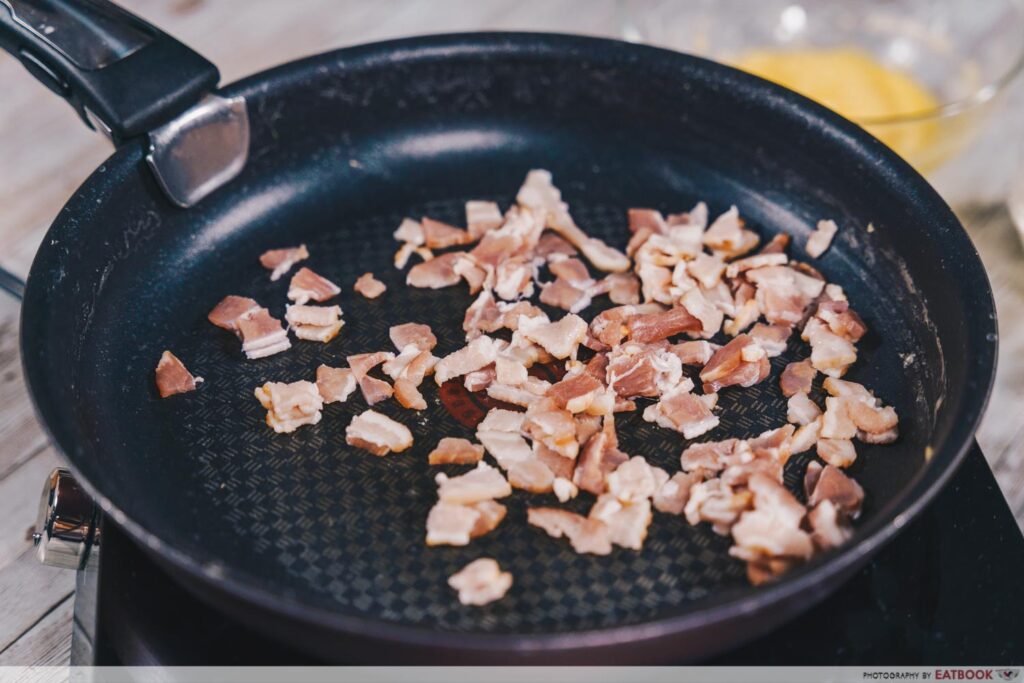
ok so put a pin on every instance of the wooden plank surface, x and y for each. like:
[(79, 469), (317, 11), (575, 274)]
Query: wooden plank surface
[(45, 152)]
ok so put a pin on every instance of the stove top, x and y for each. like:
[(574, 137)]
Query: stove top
[(946, 591)]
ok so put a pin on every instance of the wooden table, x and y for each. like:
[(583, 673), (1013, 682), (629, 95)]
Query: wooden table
[(45, 152)]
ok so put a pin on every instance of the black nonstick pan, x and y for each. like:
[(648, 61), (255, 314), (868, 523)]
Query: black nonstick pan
[(321, 544)]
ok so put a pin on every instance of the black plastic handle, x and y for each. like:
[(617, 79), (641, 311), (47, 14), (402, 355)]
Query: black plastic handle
[(120, 73)]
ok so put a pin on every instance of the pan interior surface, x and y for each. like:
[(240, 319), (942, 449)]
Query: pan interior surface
[(343, 149)]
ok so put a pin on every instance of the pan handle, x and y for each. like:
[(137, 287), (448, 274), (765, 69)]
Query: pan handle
[(123, 76)]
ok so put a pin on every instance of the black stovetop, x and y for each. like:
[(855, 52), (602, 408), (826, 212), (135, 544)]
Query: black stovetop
[(948, 590)]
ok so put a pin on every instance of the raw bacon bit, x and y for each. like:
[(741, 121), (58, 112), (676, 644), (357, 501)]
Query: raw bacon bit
[(231, 308), (600, 456), (585, 535), (821, 239), (369, 286), (842, 320), (683, 412), (784, 293), (314, 323), (554, 428), (551, 247), (491, 514), (836, 422), (280, 261), (801, 410), (797, 378), (651, 327), (478, 354), (335, 384), (830, 353), (436, 273), (306, 285), (500, 433), (706, 269), (411, 365), (643, 370), (761, 260), (410, 232), (772, 530), (440, 235), (697, 352), (482, 483), (771, 338), (406, 251), (627, 522), (646, 219), (531, 475), (728, 366), (290, 406), (451, 524), (454, 451), (635, 480), (560, 338), (261, 334), (772, 444), (673, 495), (575, 393), (374, 390), (837, 452), (710, 456), (481, 582), (746, 315), (728, 237), (623, 288), (806, 437), (412, 333), (709, 315), (407, 395), (564, 295), (172, 377), (832, 485), (482, 217), (829, 528), (715, 501), (377, 433), (776, 245), (564, 489)]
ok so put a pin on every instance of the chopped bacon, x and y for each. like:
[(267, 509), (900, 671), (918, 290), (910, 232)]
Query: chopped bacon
[(649, 219), (635, 480), (830, 353), (585, 535), (412, 333), (406, 251), (716, 502), (482, 483), (829, 527), (710, 456), (773, 444), (836, 422), (280, 261), (729, 366), (476, 355), (455, 451), (314, 323), (262, 335), (572, 270), (575, 393), (561, 467), (684, 412), (821, 239), (784, 293), (842, 320), (771, 338), (531, 475), (436, 273), (307, 285), (438, 235), (369, 286), (761, 260), (491, 514), (746, 314), (172, 377), (697, 352), (410, 232), (600, 456), (374, 390), (564, 295), (709, 315), (552, 246), (623, 288), (651, 327), (727, 236), (833, 485), (643, 370), (478, 380), (673, 495), (772, 528), (290, 406), (706, 269), (480, 582), (560, 338), (377, 433), (801, 410), (451, 524), (797, 378), (335, 384), (553, 427), (482, 217), (776, 244), (407, 394), (500, 432), (806, 437), (227, 313), (837, 452), (627, 522)]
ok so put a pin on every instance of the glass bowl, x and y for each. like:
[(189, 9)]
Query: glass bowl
[(965, 53)]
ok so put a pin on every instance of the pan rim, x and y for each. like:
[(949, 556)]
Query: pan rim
[(811, 580)]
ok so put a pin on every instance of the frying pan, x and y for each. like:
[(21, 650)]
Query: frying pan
[(321, 544)]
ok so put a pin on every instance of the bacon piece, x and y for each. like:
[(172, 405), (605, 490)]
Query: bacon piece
[(683, 412), (481, 483), (784, 293), (727, 236), (585, 535), (551, 247), (172, 377), (706, 269), (335, 384), (673, 495), (481, 582), (455, 451), (797, 378), (836, 422), (623, 288), (729, 365), (599, 457), (438, 235), (697, 352), (710, 456), (832, 485), (513, 279), (482, 217), (829, 528), (772, 528), (842, 320), (373, 390), (821, 239), (369, 286), (772, 444), (560, 338), (411, 232), (479, 380), (478, 354), (564, 295), (553, 427), (564, 489), (806, 437), (830, 353), (716, 502), (377, 433), (436, 273), (411, 365), (231, 308), (262, 335), (746, 314), (500, 432), (406, 251), (771, 338), (650, 327), (575, 393), (572, 270), (635, 480), (407, 395), (280, 261), (314, 323), (290, 406), (307, 285), (412, 333), (451, 524), (531, 475), (801, 410), (643, 370), (627, 522), (491, 514), (776, 245), (646, 219), (837, 452), (709, 315)]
